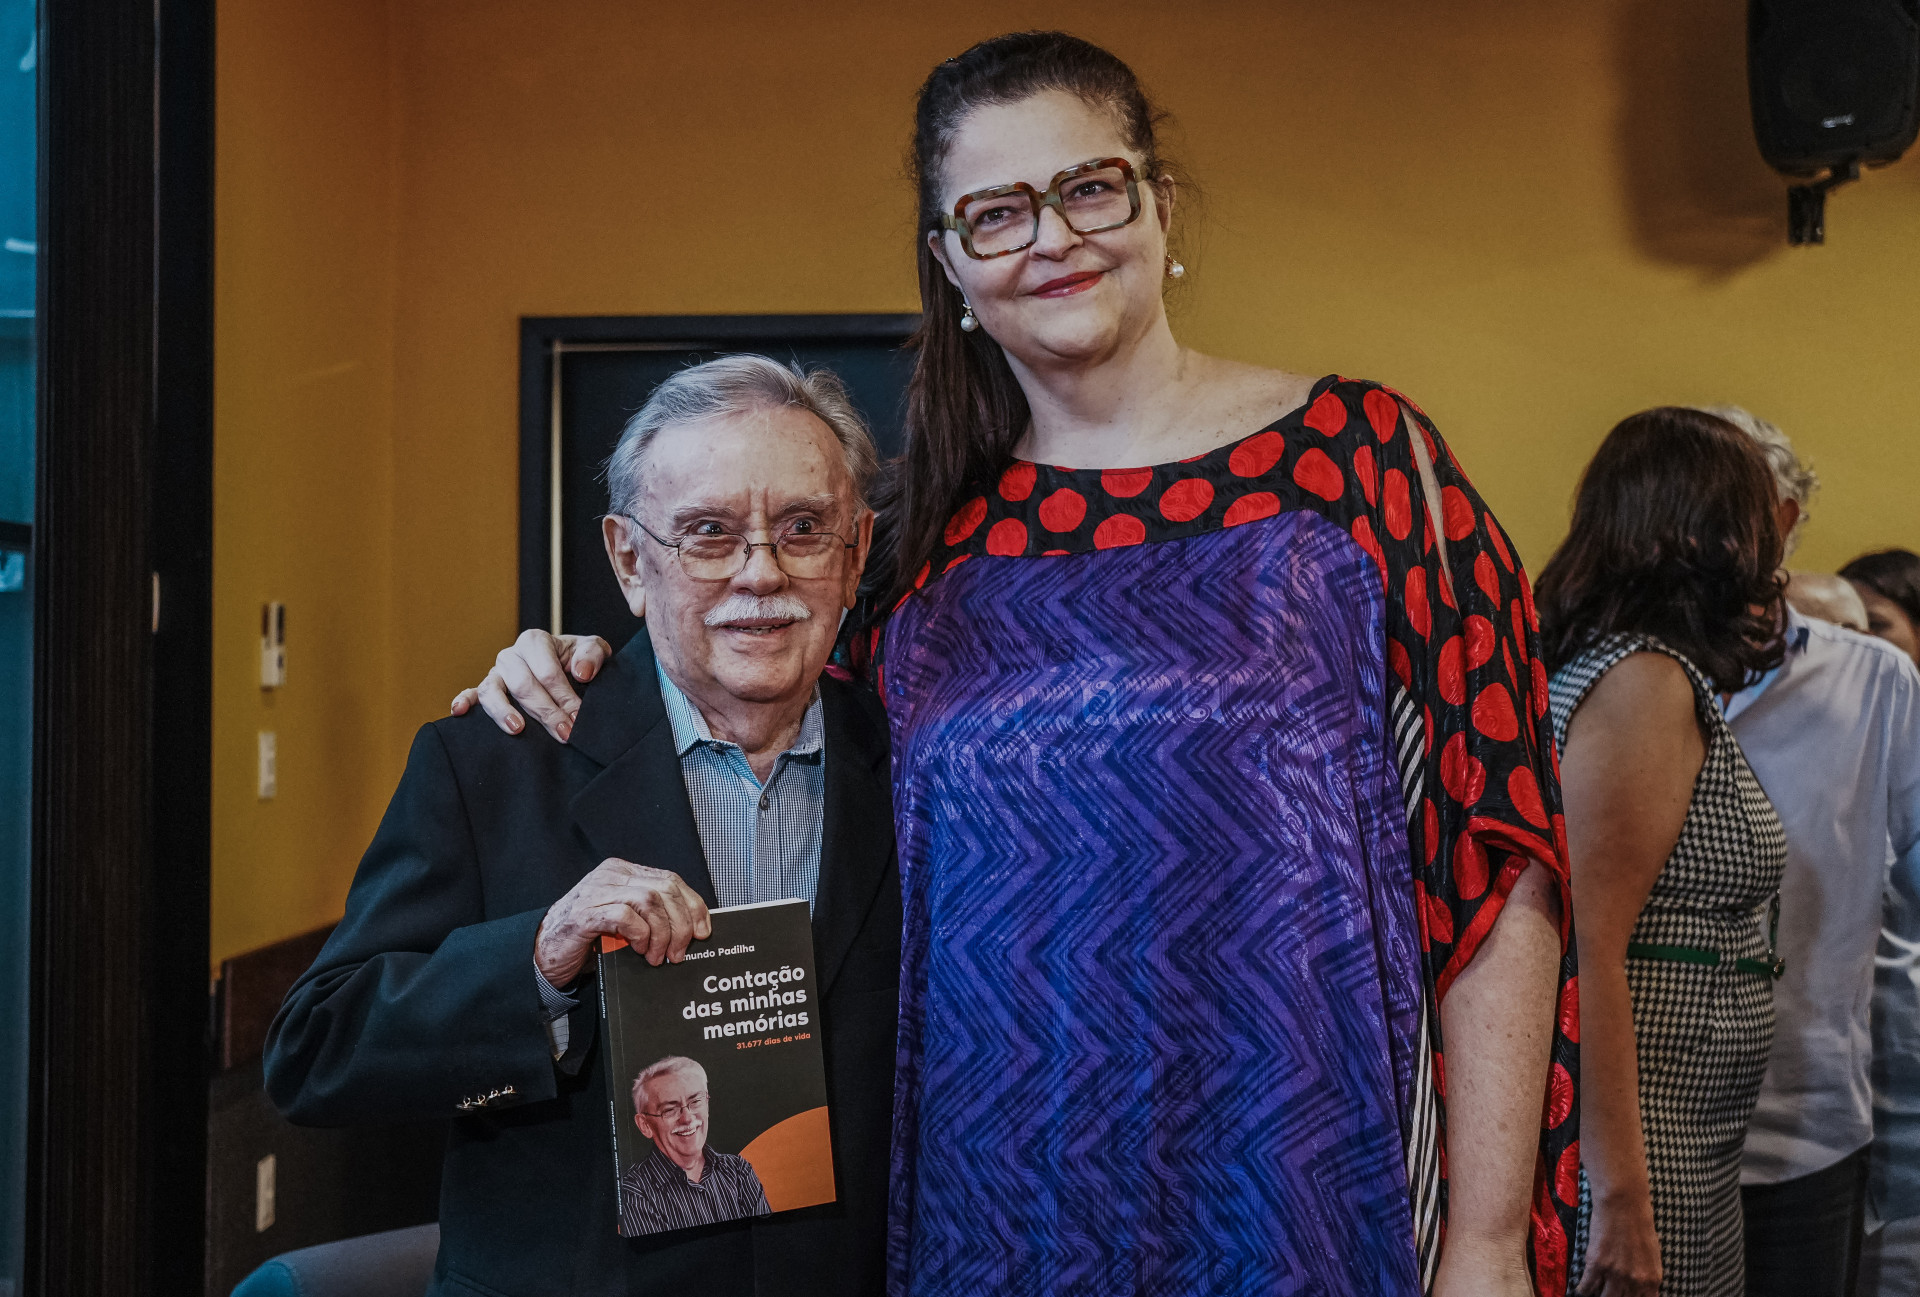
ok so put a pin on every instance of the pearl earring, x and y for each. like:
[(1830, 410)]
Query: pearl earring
[(967, 323), (1174, 269)]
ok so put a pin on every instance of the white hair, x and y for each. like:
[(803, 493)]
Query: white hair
[(1792, 478), (737, 385), (671, 1063)]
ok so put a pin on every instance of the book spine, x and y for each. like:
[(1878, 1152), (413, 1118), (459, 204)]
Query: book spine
[(613, 1085)]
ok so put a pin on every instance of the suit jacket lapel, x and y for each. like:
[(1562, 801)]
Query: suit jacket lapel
[(856, 839), (636, 808)]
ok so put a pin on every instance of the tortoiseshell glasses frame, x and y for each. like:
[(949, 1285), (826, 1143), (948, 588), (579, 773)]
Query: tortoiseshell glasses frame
[(957, 220)]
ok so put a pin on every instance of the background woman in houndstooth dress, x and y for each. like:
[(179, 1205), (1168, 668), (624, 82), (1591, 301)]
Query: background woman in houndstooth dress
[(1664, 595)]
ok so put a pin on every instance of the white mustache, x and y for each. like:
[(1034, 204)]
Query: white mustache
[(761, 607)]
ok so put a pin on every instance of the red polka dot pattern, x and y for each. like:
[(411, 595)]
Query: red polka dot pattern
[(1464, 651), (1419, 611), (1121, 529), (1566, 1176), (1559, 1095), (1251, 508), (1485, 577), (1397, 512), (1327, 415), (1063, 510), (1499, 539), (1523, 790), (1462, 774), (1008, 536), (1451, 677), (965, 520), (1480, 641), (1016, 484), (1257, 454), (1456, 513), (1493, 716), (1364, 473), (1383, 412), (1184, 501), (1470, 867), (1319, 475), (1569, 1010)]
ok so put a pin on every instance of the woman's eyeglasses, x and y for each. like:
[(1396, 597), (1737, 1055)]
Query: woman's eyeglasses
[(1094, 196), (721, 556)]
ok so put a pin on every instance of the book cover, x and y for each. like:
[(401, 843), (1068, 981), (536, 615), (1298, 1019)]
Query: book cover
[(714, 1071)]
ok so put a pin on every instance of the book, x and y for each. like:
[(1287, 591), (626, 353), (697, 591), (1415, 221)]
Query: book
[(715, 1077)]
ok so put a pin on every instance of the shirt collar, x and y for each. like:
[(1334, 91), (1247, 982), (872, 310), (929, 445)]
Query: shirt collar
[(690, 728)]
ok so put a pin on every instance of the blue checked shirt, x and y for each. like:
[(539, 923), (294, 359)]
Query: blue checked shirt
[(762, 841)]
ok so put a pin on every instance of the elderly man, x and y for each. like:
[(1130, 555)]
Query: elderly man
[(1833, 734), (710, 764), (682, 1182)]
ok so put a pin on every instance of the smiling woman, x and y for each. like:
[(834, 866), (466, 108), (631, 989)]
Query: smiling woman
[(1196, 611)]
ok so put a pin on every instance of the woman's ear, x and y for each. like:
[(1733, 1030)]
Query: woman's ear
[(1165, 190), (937, 245)]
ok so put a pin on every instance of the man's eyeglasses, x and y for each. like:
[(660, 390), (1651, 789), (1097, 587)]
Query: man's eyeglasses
[(672, 1112), (805, 555), (1094, 196)]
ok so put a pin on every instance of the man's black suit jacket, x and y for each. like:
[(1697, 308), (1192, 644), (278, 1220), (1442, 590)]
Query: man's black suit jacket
[(424, 1002)]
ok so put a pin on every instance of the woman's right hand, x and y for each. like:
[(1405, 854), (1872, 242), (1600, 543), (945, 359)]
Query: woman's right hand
[(533, 672), (1623, 1251)]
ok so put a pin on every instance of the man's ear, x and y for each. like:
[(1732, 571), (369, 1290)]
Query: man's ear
[(863, 541), (621, 536), (1787, 514), (640, 1120), (937, 244)]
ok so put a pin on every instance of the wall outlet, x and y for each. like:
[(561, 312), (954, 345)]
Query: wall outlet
[(269, 765), (264, 1174)]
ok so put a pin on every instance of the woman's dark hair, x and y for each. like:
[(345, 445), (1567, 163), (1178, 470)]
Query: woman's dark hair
[(1893, 574), (965, 411), (1674, 535)]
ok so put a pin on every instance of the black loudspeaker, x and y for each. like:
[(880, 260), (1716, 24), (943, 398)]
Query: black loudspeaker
[(1834, 85)]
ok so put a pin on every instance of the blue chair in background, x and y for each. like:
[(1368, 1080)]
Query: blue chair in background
[(398, 1263)]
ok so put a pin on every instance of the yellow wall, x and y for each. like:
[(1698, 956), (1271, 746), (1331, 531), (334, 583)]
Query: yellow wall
[(1533, 219), (303, 465)]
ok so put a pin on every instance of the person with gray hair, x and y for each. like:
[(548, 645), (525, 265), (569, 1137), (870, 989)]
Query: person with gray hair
[(1833, 734), (682, 1182), (735, 385), (1796, 481), (711, 763)]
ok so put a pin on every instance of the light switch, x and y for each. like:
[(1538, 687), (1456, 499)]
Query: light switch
[(264, 1173), (269, 775), (273, 645)]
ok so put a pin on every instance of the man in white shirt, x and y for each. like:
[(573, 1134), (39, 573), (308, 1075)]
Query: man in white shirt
[(1833, 734)]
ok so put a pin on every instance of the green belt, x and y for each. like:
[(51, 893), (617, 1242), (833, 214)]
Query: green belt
[(1771, 967)]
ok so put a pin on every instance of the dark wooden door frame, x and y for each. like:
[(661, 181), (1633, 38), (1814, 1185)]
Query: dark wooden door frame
[(116, 1139), (544, 342)]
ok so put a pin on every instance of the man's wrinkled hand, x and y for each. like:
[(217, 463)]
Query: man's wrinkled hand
[(653, 910)]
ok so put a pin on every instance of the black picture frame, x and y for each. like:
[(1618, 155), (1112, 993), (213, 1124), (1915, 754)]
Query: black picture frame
[(544, 344)]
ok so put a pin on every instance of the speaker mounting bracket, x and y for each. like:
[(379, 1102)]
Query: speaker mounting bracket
[(1807, 204)]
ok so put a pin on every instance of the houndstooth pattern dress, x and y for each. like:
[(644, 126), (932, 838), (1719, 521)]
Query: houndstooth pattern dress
[(1702, 1032)]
